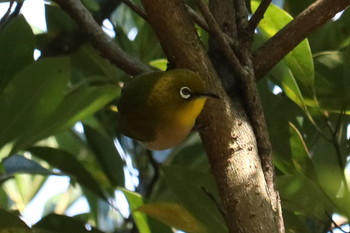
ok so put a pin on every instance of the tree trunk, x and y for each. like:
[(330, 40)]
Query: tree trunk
[(228, 136)]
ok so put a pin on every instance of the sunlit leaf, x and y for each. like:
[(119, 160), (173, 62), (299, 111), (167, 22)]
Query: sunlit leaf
[(299, 60), (143, 223), (161, 64), (174, 215)]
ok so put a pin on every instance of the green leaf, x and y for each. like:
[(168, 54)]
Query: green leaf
[(17, 164), (299, 60), (12, 221), (106, 154), (17, 45), (296, 6), (161, 64), (333, 35), (60, 223), (143, 223), (300, 154), (293, 222), (135, 201), (303, 195), (67, 163), (31, 96), (75, 106), (91, 5), (89, 66), (285, 78), (58, 20), (174, 215), (333, 83), (195, 190)]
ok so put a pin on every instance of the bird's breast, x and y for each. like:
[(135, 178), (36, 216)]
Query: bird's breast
[(175, 128)]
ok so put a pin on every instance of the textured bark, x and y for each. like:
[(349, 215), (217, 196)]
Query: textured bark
[(232, 152)]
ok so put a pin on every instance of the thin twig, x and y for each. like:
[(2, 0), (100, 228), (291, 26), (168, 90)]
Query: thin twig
[(335, 224), (203, 24), (198, 19), (258, 15), (335, 142), (100, 40), (138, 10), (212, 198), (221, 38), (7, 14)]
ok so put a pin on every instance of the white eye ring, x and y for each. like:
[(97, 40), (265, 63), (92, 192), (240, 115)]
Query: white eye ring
[(185, 92)]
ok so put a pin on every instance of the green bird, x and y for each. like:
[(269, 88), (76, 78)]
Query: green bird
[(160, 108)]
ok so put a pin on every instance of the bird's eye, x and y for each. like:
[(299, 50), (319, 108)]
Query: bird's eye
[(185, 92)]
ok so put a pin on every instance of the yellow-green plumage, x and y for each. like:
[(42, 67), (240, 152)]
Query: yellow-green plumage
[(152, 109)]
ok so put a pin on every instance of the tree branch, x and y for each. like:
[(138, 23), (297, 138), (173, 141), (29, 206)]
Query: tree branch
[(258, 15), (228, 136), (100, 40), (221, 38), (244, 75), (273, 50), (138, 10)]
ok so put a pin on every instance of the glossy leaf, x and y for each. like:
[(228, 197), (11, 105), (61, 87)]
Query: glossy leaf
[(283, 76), (17, 45), (106, 154), (333, 82), (194, 190), (143, 223), (136, 201), (161, 64), (302, 195), (89, 67), (31, 96), (300, 154), (75, 106), (67, 163), (333, 35), (17, 164), (299, 60), (174, 215)]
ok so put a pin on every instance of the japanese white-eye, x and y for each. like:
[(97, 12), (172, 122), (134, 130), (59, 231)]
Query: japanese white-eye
[(160, 108)]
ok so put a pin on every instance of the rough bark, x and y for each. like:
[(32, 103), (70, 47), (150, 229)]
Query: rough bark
[(233, 152)]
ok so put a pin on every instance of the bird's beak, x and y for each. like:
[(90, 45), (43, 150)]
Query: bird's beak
[(208, 94)]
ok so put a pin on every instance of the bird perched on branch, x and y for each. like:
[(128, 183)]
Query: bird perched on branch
[(160, 108)]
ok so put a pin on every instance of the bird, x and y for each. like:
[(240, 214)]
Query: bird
[(160, 108)]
